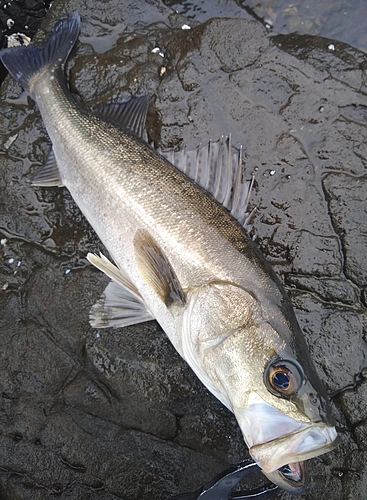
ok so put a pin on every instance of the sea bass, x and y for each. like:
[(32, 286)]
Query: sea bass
[(182, 256)]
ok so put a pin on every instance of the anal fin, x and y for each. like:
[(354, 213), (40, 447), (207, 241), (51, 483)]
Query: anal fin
[(120, 304), (48, 175)]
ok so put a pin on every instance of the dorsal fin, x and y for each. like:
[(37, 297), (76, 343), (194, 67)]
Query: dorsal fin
[(219, 171), (130, 114)]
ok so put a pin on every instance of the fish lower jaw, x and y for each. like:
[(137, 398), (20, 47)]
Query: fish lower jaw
[(308, 443), (291, 477)]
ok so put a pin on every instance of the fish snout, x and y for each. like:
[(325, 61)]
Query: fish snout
[(308, 443), (280, 444)]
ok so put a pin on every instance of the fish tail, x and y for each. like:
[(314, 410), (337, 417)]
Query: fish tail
[(24, 62)]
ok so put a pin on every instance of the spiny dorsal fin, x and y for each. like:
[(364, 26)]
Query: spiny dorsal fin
[(219, 172), (130, 115), (156, 269), (49, 174), (120, 304)]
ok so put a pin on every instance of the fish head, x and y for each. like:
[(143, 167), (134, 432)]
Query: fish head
[(254, 362), (284, 432)]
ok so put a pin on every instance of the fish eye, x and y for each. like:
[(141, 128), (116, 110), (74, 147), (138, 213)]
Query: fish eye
[(283, 377)]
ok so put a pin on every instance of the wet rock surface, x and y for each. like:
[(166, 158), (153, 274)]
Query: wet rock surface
[(117, 414), (334, 19)]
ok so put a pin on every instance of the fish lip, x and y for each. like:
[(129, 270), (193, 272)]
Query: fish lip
[(275, 439), (295, 448), (291, 477)]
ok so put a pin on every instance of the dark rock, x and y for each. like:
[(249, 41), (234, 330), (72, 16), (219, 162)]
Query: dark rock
[(348, 207)]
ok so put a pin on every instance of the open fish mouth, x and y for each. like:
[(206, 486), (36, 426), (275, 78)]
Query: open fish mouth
[(280, 445), (282, 461), (307, 443), (290, 477), (275, 439)]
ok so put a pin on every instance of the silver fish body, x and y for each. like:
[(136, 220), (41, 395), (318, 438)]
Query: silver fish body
[(182, 259)]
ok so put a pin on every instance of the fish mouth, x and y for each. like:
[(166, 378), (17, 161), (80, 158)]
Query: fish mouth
[(276, 458), (307, 443), (279, 444), (290, 477)]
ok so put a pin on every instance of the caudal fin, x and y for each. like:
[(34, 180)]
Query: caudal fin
[(25, 62)]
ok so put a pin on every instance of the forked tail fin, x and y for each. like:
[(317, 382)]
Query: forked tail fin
[(26, 61)]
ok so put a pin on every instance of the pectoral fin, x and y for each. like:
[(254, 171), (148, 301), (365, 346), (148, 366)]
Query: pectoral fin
[(156, 269), (120, 304)]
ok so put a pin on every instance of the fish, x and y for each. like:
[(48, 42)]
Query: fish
[(180, 254)]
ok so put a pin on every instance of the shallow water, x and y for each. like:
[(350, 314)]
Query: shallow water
[(334, 19)]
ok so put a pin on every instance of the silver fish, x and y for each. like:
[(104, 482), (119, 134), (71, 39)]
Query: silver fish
[(183, 257)]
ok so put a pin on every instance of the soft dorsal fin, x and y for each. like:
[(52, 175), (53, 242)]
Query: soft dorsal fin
[(128, 115), (156, 269), (219, 171), (120, 304)]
